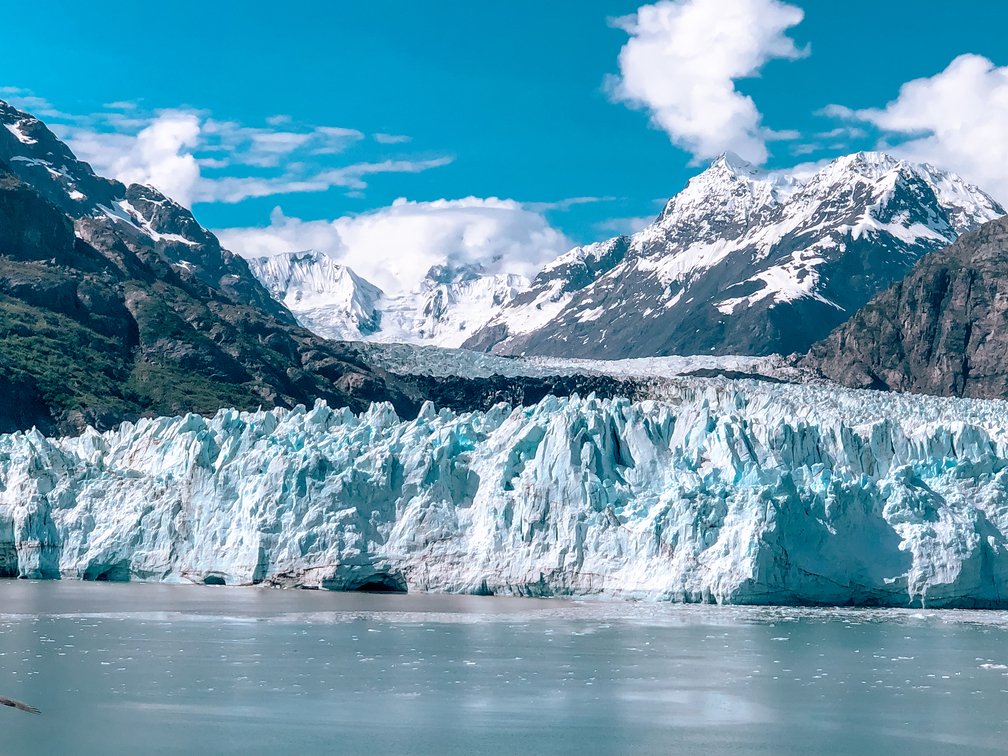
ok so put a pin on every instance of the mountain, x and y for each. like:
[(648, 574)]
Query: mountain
[(325, 297), (115, 303), (940, 330), (737, 492), (742, 262), (444, 309)]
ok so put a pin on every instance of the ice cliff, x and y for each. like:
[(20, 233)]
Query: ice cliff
[(732, 491)]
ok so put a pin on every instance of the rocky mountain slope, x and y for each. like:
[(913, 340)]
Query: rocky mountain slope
[(742, 262), (943, 329), (331, 300), (115, 302), (731, 491)]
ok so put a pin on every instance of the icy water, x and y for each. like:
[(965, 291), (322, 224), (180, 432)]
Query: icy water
[(127, 668)]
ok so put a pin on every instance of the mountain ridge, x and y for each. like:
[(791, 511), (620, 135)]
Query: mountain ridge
[(115, 303), (741, 261), (333, 301), (744, 261)]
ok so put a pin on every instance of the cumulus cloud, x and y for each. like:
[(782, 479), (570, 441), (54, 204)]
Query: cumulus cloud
[(956, 119), (160, 154), (395, 246), (683, 59)]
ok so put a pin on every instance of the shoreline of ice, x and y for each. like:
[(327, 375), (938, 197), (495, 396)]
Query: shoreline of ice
[(723, 491)]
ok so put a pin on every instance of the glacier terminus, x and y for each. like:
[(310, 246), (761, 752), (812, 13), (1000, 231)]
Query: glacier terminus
[(717, 490)]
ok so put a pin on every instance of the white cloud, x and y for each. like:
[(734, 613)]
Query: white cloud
[(193, 157), (391, 138), (565, 204), (26, 100), (237, 188), (160, 154), (683, 59), (395, 246), (268, 147), (956, 119)]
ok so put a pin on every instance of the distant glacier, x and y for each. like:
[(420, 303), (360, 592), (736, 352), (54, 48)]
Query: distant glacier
[(732, 491)]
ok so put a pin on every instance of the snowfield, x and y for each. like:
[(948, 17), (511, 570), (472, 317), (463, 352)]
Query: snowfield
[(732, 491), (410, 359)]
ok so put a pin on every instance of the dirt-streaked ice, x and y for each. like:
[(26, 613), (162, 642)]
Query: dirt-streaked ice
[(734, 491)]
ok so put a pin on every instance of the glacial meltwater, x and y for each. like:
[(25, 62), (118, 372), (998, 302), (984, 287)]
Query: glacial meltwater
[(144, 668)]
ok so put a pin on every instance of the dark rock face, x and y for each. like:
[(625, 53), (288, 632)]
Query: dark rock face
[(941, 330), (116, 303), (469, 394)]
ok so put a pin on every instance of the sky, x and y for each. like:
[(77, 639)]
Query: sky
[(499, 133)]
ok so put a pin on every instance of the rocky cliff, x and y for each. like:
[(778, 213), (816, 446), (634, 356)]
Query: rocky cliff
[(941, 330)]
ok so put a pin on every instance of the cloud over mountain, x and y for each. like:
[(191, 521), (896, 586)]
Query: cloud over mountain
[(956, 119), (395, 246)]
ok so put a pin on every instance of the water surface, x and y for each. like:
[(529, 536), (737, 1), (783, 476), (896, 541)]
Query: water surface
[(132, 668)]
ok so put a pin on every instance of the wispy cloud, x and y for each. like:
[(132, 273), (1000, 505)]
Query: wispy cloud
[(565, 204), (624, 226), (232, 189), (391, 138), (28, 101), (194, 157)]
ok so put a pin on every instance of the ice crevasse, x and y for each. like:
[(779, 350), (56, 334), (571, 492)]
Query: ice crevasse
[(728, 491)]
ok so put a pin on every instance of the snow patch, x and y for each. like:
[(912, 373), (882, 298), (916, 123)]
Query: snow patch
[(15, 129)]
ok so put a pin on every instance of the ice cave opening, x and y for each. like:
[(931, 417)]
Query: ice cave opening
[(381, 582)]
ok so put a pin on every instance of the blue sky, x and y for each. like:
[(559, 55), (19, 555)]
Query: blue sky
[(446, 100)]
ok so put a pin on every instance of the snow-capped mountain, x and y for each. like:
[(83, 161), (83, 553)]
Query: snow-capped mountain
[(326, 297), (736, 492), (742, 261), (444, 309), (139, 216)]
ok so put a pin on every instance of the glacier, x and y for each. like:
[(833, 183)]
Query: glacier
[(717, 490)]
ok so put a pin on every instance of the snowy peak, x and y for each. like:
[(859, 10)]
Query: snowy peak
[(722, 201), (140, 216), (732, 163), (39, 158), (581, 265), (884, 175), (967, 204), (744, 261), (321, 293), (332, 300), (309, 271)]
